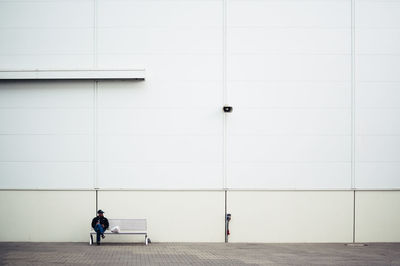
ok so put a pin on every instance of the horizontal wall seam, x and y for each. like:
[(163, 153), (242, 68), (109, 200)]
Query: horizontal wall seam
[(188, 190)]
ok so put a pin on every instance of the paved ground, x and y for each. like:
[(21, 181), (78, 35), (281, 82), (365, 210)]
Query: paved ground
[(197, 254)]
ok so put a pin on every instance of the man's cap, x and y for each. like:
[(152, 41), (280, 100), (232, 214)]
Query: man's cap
[(100, 211)]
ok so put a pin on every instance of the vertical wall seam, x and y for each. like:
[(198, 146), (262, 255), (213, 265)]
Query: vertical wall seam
[(353, 100), (225, 102), (94, 33), (224, 92), (95, 90), (353, 116), (97, 201)]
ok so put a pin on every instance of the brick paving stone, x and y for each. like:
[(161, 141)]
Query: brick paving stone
[(196, 254)]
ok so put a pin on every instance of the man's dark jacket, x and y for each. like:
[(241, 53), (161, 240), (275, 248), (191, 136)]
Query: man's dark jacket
[(103, 221)]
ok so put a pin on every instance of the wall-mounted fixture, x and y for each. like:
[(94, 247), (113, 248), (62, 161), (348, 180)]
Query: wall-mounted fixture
[(227, 109), (228, 218)]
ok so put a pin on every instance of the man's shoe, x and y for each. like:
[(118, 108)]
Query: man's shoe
[(103, 236), (98, 243)]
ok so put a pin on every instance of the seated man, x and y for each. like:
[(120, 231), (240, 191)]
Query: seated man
[(99, 224)]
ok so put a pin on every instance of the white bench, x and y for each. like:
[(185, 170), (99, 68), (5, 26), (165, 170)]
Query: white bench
[(127, 227)]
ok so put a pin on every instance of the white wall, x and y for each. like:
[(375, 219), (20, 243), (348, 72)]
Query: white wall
[(289, 80), (377, 216), (144, 142), (46, 134), (296, 81), (46, 216), (41, 34), (153, 134), (172, 216), (290, 216), (286, 71), (377, 94)]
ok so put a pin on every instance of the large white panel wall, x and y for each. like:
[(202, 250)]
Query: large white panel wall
[(288, 78), (167, 131), (289, 66), (46, 34), (377, 94), (46, 134)]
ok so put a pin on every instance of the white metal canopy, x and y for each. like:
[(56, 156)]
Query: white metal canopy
[(109, 74)]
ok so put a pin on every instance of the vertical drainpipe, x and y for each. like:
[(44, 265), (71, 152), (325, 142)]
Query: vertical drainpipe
[(226, 223)]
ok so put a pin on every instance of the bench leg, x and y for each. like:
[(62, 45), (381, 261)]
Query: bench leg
[(146, 240), (90, 239)]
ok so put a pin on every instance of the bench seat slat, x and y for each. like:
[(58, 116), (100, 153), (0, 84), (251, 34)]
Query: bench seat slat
[(122, 232)]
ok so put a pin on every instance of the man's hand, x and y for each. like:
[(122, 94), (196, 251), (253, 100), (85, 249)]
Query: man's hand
[(102, 225)]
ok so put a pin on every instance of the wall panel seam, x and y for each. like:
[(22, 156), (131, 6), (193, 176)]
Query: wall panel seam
[(353, 100), (224, 92), (95, 90)]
